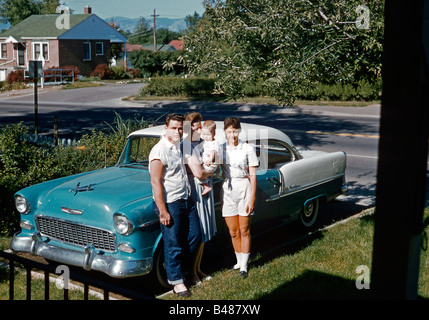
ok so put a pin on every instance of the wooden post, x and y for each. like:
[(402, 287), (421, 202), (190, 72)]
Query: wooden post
[(403, 151), (55, 130), (36, 108)]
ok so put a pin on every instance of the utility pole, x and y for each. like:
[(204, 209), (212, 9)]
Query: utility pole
[(154, 30), (401, 180)]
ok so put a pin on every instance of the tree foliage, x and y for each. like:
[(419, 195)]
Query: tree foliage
[(142, 33), (156, 63), (14, 11), (286, 44)]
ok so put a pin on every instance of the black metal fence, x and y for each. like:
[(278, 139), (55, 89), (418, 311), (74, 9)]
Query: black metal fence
[(29, 265)]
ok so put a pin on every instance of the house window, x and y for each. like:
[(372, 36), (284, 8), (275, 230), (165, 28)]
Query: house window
[(40, 49), (99, 50), (86, 51), (21, 54), (3, 51)]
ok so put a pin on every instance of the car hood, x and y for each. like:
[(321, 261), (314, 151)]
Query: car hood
[(101, 192)]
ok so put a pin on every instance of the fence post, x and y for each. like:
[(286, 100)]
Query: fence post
[(55, 130), (11, 279), (28, 282), (46, 285)]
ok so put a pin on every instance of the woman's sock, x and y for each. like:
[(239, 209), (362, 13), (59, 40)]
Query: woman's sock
[(243, 262), (238, 264)]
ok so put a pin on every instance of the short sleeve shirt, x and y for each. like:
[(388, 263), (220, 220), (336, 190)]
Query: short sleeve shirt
[(237, 159), (174, 178)]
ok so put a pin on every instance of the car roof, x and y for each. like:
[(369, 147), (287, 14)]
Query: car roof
[(249, 132)]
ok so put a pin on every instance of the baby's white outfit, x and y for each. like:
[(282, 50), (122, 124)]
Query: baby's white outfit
[(208, 148)]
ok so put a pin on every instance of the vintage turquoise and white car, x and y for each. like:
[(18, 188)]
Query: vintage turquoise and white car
[(104, 220)]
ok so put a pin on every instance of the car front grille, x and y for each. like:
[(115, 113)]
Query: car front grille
[(77, 234)]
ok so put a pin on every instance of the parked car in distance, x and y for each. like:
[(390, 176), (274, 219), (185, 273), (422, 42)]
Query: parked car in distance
[(104, 220)]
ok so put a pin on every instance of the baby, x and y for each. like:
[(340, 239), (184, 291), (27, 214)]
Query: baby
[(211, 151)]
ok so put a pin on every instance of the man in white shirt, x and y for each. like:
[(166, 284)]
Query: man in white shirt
[(177, 214)]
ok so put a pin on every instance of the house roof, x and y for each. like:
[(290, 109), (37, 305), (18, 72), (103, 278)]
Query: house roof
[(41, 26), (177, 44), (132, 47), (82, 26), (159, 47)]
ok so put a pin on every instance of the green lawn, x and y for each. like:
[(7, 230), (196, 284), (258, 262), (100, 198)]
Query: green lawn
[(322, 266)]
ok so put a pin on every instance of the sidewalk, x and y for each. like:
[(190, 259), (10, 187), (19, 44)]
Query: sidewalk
[(29, 90)]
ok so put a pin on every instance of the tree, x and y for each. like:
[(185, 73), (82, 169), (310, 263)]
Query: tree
[(192, 21), (48, 6), (142, 34), (152, 63), (164, 36), (117, 49), (14, 11), (286, 44)]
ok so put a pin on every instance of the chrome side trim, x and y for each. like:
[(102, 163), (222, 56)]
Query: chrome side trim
[(298, 188)]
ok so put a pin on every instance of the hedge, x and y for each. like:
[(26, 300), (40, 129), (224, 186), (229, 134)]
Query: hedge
[(24, 163), (197, 87)]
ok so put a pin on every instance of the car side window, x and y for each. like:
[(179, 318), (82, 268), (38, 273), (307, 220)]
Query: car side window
[(276, 153)]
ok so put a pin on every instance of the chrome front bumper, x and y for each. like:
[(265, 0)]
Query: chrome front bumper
[(89, 260)]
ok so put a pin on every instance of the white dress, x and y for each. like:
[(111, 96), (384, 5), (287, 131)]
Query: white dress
[(204, 204)]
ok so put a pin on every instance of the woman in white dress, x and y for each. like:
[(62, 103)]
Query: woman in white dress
[(203, 203)]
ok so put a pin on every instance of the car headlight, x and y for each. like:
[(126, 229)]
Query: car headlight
[(22, 205), (123, 225)]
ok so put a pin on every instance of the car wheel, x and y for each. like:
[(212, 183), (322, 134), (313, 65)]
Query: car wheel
[(158, 270), (309, 212)]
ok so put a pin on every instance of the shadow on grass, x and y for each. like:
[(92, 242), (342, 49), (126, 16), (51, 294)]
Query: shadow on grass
[(315, 285)]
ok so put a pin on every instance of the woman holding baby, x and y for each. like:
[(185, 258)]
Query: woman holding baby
[(200, 182), (238, 161)]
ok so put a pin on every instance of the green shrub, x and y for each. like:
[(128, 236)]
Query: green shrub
[(368, 91), (136, 73), (23, 163), (15, 76), (199, 86), (102, 72), (361, 91), (157, 63), (120, 71)]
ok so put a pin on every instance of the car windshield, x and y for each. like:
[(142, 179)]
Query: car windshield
[(136, 151)]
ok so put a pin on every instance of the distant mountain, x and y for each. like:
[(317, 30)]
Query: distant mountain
[(130, 24)]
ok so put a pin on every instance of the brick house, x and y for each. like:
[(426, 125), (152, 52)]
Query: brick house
[(84, 43)]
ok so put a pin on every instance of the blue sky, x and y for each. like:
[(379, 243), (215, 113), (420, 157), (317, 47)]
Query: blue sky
[(173, 9)]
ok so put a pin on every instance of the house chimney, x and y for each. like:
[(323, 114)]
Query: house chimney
[(87, 10)]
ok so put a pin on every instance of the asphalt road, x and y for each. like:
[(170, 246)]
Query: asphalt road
[(350, 129)]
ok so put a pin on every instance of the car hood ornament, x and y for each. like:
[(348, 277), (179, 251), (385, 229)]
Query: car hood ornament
[(78, 188), (71, 211)]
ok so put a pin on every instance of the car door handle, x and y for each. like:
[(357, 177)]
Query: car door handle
[(274, 181)]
